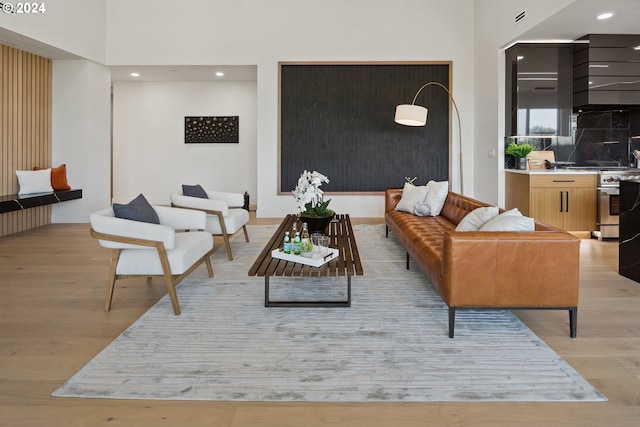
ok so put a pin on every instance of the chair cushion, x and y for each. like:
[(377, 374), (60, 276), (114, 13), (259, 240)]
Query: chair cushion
[(194, 191), (138, 209), (233, 221), (189, 248)]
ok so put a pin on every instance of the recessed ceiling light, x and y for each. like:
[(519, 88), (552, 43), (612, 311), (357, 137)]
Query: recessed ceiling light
[(135, 74), (219, 73), (605, 15), (636, 48)]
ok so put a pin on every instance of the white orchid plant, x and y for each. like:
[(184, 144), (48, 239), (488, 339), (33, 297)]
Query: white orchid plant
[(309, 196)]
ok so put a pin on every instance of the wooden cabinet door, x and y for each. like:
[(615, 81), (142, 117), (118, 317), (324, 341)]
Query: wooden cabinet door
[(546, 204), (580, 213)]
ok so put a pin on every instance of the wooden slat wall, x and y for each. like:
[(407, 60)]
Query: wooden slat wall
[(25, 129)]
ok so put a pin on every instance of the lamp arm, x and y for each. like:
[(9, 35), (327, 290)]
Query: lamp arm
[(453, 101)]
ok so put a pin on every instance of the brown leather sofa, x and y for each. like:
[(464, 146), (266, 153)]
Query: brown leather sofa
[(488, 269)]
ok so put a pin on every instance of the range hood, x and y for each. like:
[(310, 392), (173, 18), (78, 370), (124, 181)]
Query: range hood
[(606, 71)]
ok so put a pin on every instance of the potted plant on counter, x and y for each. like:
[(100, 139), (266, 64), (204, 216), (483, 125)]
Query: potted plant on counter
[(519, 151)]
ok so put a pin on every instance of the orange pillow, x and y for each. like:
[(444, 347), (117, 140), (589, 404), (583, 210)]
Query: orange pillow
[(58, 177)]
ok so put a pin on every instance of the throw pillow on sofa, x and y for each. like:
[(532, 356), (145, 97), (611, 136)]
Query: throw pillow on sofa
[(511, 220), (477, 218), (433, 203), (139, 209), (411, 196)]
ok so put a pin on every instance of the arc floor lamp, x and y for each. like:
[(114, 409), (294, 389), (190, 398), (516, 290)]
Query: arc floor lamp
[(416, 115)]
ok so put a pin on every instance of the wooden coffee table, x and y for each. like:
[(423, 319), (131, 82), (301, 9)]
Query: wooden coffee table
[(347, 263)]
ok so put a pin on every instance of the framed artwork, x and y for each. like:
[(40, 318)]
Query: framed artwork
[(211, 129), (338, 119)]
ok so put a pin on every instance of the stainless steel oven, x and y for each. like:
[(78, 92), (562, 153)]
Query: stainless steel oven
[(609, 212), (609, 201)]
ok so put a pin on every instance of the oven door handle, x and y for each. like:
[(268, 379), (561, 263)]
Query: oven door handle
[(609, 190)]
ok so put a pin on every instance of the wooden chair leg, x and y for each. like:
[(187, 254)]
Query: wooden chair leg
[(168, 278), (112, 279), (225, 236), (209, 266), (246, 234)]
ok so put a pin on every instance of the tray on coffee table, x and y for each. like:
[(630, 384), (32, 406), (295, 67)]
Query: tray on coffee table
[(316, 260)]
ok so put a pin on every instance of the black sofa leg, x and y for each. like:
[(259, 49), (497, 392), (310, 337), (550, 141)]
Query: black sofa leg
[(386, 232), (573, 322), (452, 320), (407, 260)]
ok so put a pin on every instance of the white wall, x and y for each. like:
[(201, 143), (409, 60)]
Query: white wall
[(246, 32), (76, 26), (495, 20), (80, 135), (149, 153)]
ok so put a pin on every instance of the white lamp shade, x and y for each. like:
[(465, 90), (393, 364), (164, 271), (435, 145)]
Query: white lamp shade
[(411, 115)]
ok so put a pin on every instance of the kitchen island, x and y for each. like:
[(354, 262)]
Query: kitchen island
[(629, 244)]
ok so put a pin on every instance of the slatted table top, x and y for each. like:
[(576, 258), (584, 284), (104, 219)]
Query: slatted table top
[(342, 238)]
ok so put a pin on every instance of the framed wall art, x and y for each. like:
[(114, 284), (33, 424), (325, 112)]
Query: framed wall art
[(211, 129)]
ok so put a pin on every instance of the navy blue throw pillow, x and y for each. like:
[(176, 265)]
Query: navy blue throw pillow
[(138, 209), (194, 191)]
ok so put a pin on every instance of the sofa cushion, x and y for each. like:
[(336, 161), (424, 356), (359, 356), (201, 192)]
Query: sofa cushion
[(412, 195), (477, 218), (189, 247), (138, 209)]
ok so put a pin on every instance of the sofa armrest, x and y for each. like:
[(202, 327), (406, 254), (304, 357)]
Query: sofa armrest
[(107, 223), (181, 219), (510, 269), (392, 197), (182, 201), (233, 200)]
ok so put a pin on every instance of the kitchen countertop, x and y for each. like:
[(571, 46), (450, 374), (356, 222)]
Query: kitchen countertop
[(554, 171)]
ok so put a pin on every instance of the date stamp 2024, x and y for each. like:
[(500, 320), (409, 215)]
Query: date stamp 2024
[(23, 8)]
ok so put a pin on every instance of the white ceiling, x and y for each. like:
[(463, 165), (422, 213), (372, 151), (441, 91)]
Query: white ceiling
[(184, 73), (579, 19), (573, 22)]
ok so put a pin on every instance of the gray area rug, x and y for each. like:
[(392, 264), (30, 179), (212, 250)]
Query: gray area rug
[(391, 345)]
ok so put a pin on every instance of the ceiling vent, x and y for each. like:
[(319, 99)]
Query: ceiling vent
[(520, 16)]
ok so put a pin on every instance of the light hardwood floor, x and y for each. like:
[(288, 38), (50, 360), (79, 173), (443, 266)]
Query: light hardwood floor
[(52, 285)]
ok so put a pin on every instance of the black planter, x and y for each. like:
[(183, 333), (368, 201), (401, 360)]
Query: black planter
[(316, 224)]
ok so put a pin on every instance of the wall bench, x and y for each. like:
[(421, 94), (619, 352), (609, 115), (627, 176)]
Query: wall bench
[(16, 202)]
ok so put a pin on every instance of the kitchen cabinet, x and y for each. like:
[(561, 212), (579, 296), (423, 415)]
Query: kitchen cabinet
[(563, 200), (606, 71)]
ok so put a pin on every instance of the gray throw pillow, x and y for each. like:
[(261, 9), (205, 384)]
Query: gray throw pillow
[(194, 191), (138, 209)]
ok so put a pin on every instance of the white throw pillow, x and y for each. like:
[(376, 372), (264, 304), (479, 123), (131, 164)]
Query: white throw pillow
[(513, 211), (31, 182), (509, 221), (434, 202), (411, 196), (477, 218)]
